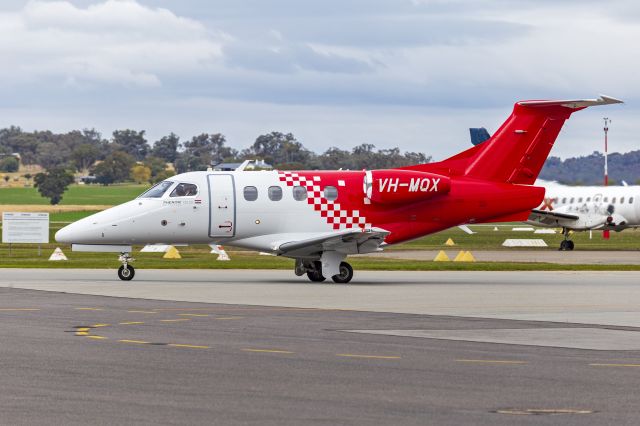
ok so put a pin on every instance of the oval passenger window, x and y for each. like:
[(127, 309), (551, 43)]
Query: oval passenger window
[(275, 193), (299, 193), (330, 193), (250, 193)]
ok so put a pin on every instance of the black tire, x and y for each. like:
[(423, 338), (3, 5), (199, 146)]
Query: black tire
[(570, 245), (316, 275), (126, 274), (345, 275), (563, 245)]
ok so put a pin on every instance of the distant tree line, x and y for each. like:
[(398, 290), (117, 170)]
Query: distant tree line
[(589, 170), (127, 155)]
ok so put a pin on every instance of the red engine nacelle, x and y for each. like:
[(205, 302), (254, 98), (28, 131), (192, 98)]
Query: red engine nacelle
[(403, 186)]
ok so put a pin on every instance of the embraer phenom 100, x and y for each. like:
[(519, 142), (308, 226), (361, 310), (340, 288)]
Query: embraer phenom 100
[(319, 218)]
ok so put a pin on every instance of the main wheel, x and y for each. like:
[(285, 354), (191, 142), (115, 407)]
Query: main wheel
[(345, 275), (126, 274), (315, 275), (563, 245), (570, 245)]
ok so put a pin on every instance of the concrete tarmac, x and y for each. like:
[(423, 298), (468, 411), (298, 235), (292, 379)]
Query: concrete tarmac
[(585, 257), (604, 298)]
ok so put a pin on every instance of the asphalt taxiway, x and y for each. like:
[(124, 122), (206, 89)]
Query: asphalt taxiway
[(214, 352)]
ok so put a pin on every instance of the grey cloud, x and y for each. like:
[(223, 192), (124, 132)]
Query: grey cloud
[(289, 58)]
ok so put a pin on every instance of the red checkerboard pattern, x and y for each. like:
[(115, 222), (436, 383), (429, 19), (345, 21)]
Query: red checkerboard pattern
[(331, 211)]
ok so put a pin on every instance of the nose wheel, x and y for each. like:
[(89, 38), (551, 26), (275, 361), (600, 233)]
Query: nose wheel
[(126, 272), (566, 244)]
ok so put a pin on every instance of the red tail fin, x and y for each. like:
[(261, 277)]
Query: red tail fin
[(517, 151)]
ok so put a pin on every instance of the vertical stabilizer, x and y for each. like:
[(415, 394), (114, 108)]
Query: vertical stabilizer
[(518, 149)]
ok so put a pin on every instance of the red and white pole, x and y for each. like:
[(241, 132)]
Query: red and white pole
[(605, 233)]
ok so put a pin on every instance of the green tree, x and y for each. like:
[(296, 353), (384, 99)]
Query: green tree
[(166, 148), (114, 168), (140, 173), (9, 164), (84, 155), (131, 142), (156, 164), (53, 183), (203, 151), (278, 149)]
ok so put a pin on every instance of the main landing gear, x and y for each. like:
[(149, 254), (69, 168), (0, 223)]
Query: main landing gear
[(566, 244), (313, 269), (126, 271)]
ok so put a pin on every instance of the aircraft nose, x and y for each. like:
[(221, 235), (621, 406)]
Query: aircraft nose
[(65, 235)]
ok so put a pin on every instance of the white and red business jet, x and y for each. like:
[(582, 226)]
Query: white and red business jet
[(319, 218)]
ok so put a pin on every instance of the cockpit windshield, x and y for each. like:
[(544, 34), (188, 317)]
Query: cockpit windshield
[(157, 190)]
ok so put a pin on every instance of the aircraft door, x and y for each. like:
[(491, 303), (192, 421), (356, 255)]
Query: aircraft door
[(222, 206)]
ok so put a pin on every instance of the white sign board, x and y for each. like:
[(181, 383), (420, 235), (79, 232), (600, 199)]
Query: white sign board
[(25, 227)]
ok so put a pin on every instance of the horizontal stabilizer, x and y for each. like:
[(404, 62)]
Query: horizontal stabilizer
[(574, 104)]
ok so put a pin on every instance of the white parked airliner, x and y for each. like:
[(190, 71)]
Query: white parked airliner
[(582, 208)]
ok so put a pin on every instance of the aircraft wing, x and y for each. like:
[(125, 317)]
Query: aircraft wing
[(549, 217), (348, 241)]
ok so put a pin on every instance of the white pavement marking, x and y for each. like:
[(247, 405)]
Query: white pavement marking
[(607, 298), (575, 338)]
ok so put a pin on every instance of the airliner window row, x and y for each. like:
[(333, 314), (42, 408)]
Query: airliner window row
[(588, 199), (299, 193)]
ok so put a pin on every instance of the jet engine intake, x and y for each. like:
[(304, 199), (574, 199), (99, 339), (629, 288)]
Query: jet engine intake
[(403, 186)]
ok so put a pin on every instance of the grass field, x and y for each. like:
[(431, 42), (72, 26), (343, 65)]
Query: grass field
[(76, 194), (198, 257), (488, 239)]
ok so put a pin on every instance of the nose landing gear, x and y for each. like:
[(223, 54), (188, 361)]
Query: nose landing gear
[(566, 244), (126, 271)]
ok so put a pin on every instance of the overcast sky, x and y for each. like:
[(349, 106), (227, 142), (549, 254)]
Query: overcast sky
[(409, 73)]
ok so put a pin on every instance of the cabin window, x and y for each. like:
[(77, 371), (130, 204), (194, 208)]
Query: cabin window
[(299, 193), (157, 190), (630, 200), (580, 199), (621, 200), (613, 200), (564, 200), (250, 193), (572, 199), (588, 199), (330, 193), (275, 193), (184, 190), (606, 199)]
